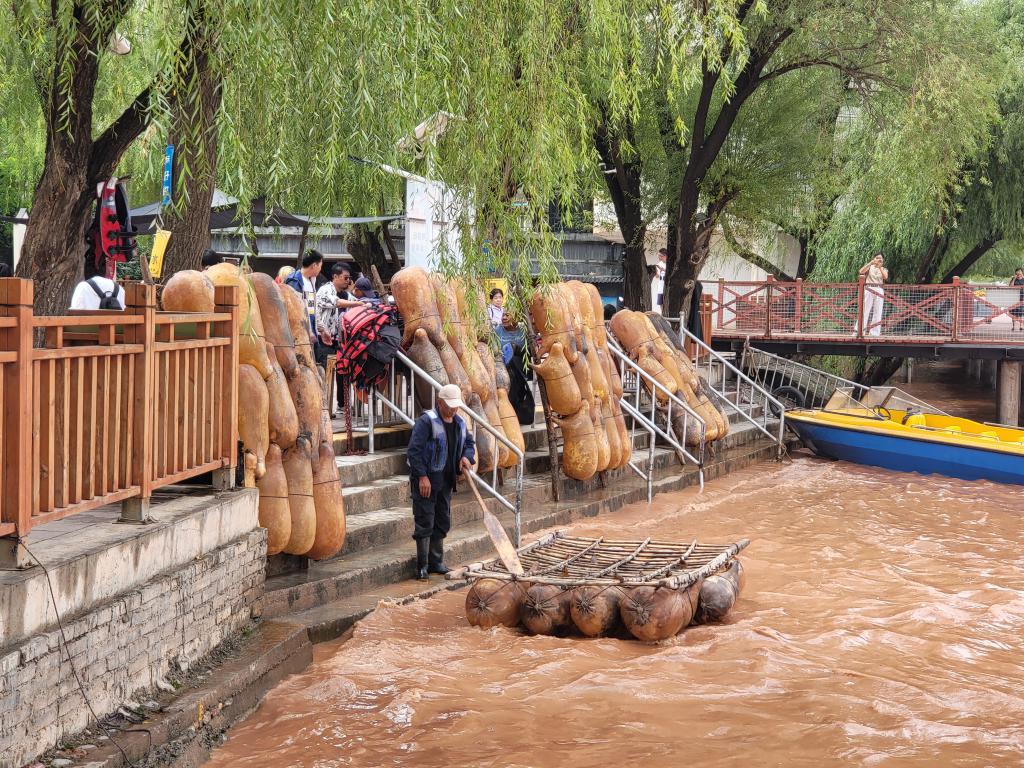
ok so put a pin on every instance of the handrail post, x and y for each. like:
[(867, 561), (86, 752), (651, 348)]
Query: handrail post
[(16, 484), (860, 307), (798, 306), (768, 307), (955, 324), (140, 299), (371, 403), (721, 302), (705, 317), (226, 302)]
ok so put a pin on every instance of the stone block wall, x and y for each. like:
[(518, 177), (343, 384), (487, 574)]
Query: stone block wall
[(122, 647)]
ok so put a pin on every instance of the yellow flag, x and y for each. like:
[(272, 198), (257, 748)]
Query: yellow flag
[(156, 258), (495, 282)]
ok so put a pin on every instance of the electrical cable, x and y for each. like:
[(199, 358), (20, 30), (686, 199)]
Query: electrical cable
[(74, 671)]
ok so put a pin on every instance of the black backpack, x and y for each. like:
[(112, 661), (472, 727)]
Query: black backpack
[(108, 299), (370, 337)]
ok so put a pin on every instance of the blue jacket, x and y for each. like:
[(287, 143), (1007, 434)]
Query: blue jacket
[(428, 446), (295, 281)]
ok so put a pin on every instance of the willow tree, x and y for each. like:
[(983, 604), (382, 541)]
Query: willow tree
[(310, 108), (61, 48), (916, 51)]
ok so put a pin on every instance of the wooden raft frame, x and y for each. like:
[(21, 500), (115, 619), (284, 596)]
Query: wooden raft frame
[(572, 561)]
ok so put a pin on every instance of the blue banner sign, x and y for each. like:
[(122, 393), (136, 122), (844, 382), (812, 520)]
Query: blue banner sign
[(168, 173)]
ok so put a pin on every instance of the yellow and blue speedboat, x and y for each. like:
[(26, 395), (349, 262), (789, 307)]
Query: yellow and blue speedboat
[(888, 428)]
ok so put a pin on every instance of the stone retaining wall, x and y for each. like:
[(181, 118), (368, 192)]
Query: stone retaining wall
[(123, 647)]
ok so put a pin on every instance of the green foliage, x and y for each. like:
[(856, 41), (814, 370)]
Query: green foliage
[(920, 151), (309, 93)]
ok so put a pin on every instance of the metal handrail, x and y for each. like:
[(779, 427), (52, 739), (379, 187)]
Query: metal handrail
[(650, 428), (654, 387), (490, 488), (818, 385), (709, 356)]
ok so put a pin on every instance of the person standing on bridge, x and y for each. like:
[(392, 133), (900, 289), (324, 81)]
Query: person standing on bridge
[(440, 449), (1017, 312), (874, 274)]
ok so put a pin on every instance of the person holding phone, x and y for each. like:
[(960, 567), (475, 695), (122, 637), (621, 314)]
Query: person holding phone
[(874, 274)]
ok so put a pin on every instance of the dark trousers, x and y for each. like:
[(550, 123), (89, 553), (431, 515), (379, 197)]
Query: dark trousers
[(433, 514), (322, 351)]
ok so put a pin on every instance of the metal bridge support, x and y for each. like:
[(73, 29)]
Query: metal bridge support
[(1009, 392), (974, 370), (990, 375), (907, 370)]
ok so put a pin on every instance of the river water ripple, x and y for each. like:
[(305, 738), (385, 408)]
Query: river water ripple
[(881, 625)]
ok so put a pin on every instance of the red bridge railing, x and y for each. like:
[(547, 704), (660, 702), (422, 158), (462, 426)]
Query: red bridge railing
[(956, 313)]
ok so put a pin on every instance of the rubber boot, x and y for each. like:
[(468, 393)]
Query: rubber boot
[(437, 556), (422, 553)]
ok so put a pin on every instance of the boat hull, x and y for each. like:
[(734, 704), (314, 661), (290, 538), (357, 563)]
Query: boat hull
[(907, 454)]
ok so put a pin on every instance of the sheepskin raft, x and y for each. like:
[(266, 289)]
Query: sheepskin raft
[(649, 590)]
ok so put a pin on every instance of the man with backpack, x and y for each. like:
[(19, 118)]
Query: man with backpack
[(96, 291)]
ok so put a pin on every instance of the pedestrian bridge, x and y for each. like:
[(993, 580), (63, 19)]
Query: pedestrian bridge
[(955, 320)]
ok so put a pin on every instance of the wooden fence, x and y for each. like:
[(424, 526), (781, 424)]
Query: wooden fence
[(108, 406)]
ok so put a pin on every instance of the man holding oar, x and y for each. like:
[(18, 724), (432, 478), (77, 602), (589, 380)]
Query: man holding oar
[(440, 449)]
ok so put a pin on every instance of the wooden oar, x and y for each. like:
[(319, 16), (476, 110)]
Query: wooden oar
[(496, 531)]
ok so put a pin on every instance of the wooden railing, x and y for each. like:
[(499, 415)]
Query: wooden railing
[(956, 312), (109, 406)]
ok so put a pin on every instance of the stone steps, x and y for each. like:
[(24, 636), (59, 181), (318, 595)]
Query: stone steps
[(191, 719)]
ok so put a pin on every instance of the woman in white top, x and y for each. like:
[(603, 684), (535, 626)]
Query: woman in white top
[(874, 274), (496, 308)]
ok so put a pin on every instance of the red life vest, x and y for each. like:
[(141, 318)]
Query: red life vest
[(369, 339), (111, 236)]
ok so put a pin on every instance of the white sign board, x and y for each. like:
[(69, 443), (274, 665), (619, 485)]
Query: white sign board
[(429, 229)]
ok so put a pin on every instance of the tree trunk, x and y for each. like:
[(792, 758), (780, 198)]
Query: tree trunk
[(880, 371), (971, 257), (691, 250), (624, 188), (53, 254), (195, 156), (365, 247)]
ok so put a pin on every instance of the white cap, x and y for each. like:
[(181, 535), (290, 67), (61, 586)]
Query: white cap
[(451, 395)]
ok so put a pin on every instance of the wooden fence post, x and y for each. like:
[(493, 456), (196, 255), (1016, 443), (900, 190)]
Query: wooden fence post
[(798, 306), (16, 402), (140, 299), (860, 307), (226, 301), (721, 302), (955, 324), (706, 305)]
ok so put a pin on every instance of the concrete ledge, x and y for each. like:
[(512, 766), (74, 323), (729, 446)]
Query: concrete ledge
[(92, 558), (192, 719)]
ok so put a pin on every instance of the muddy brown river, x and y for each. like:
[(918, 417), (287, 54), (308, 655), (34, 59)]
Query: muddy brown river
[(881, 625)]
